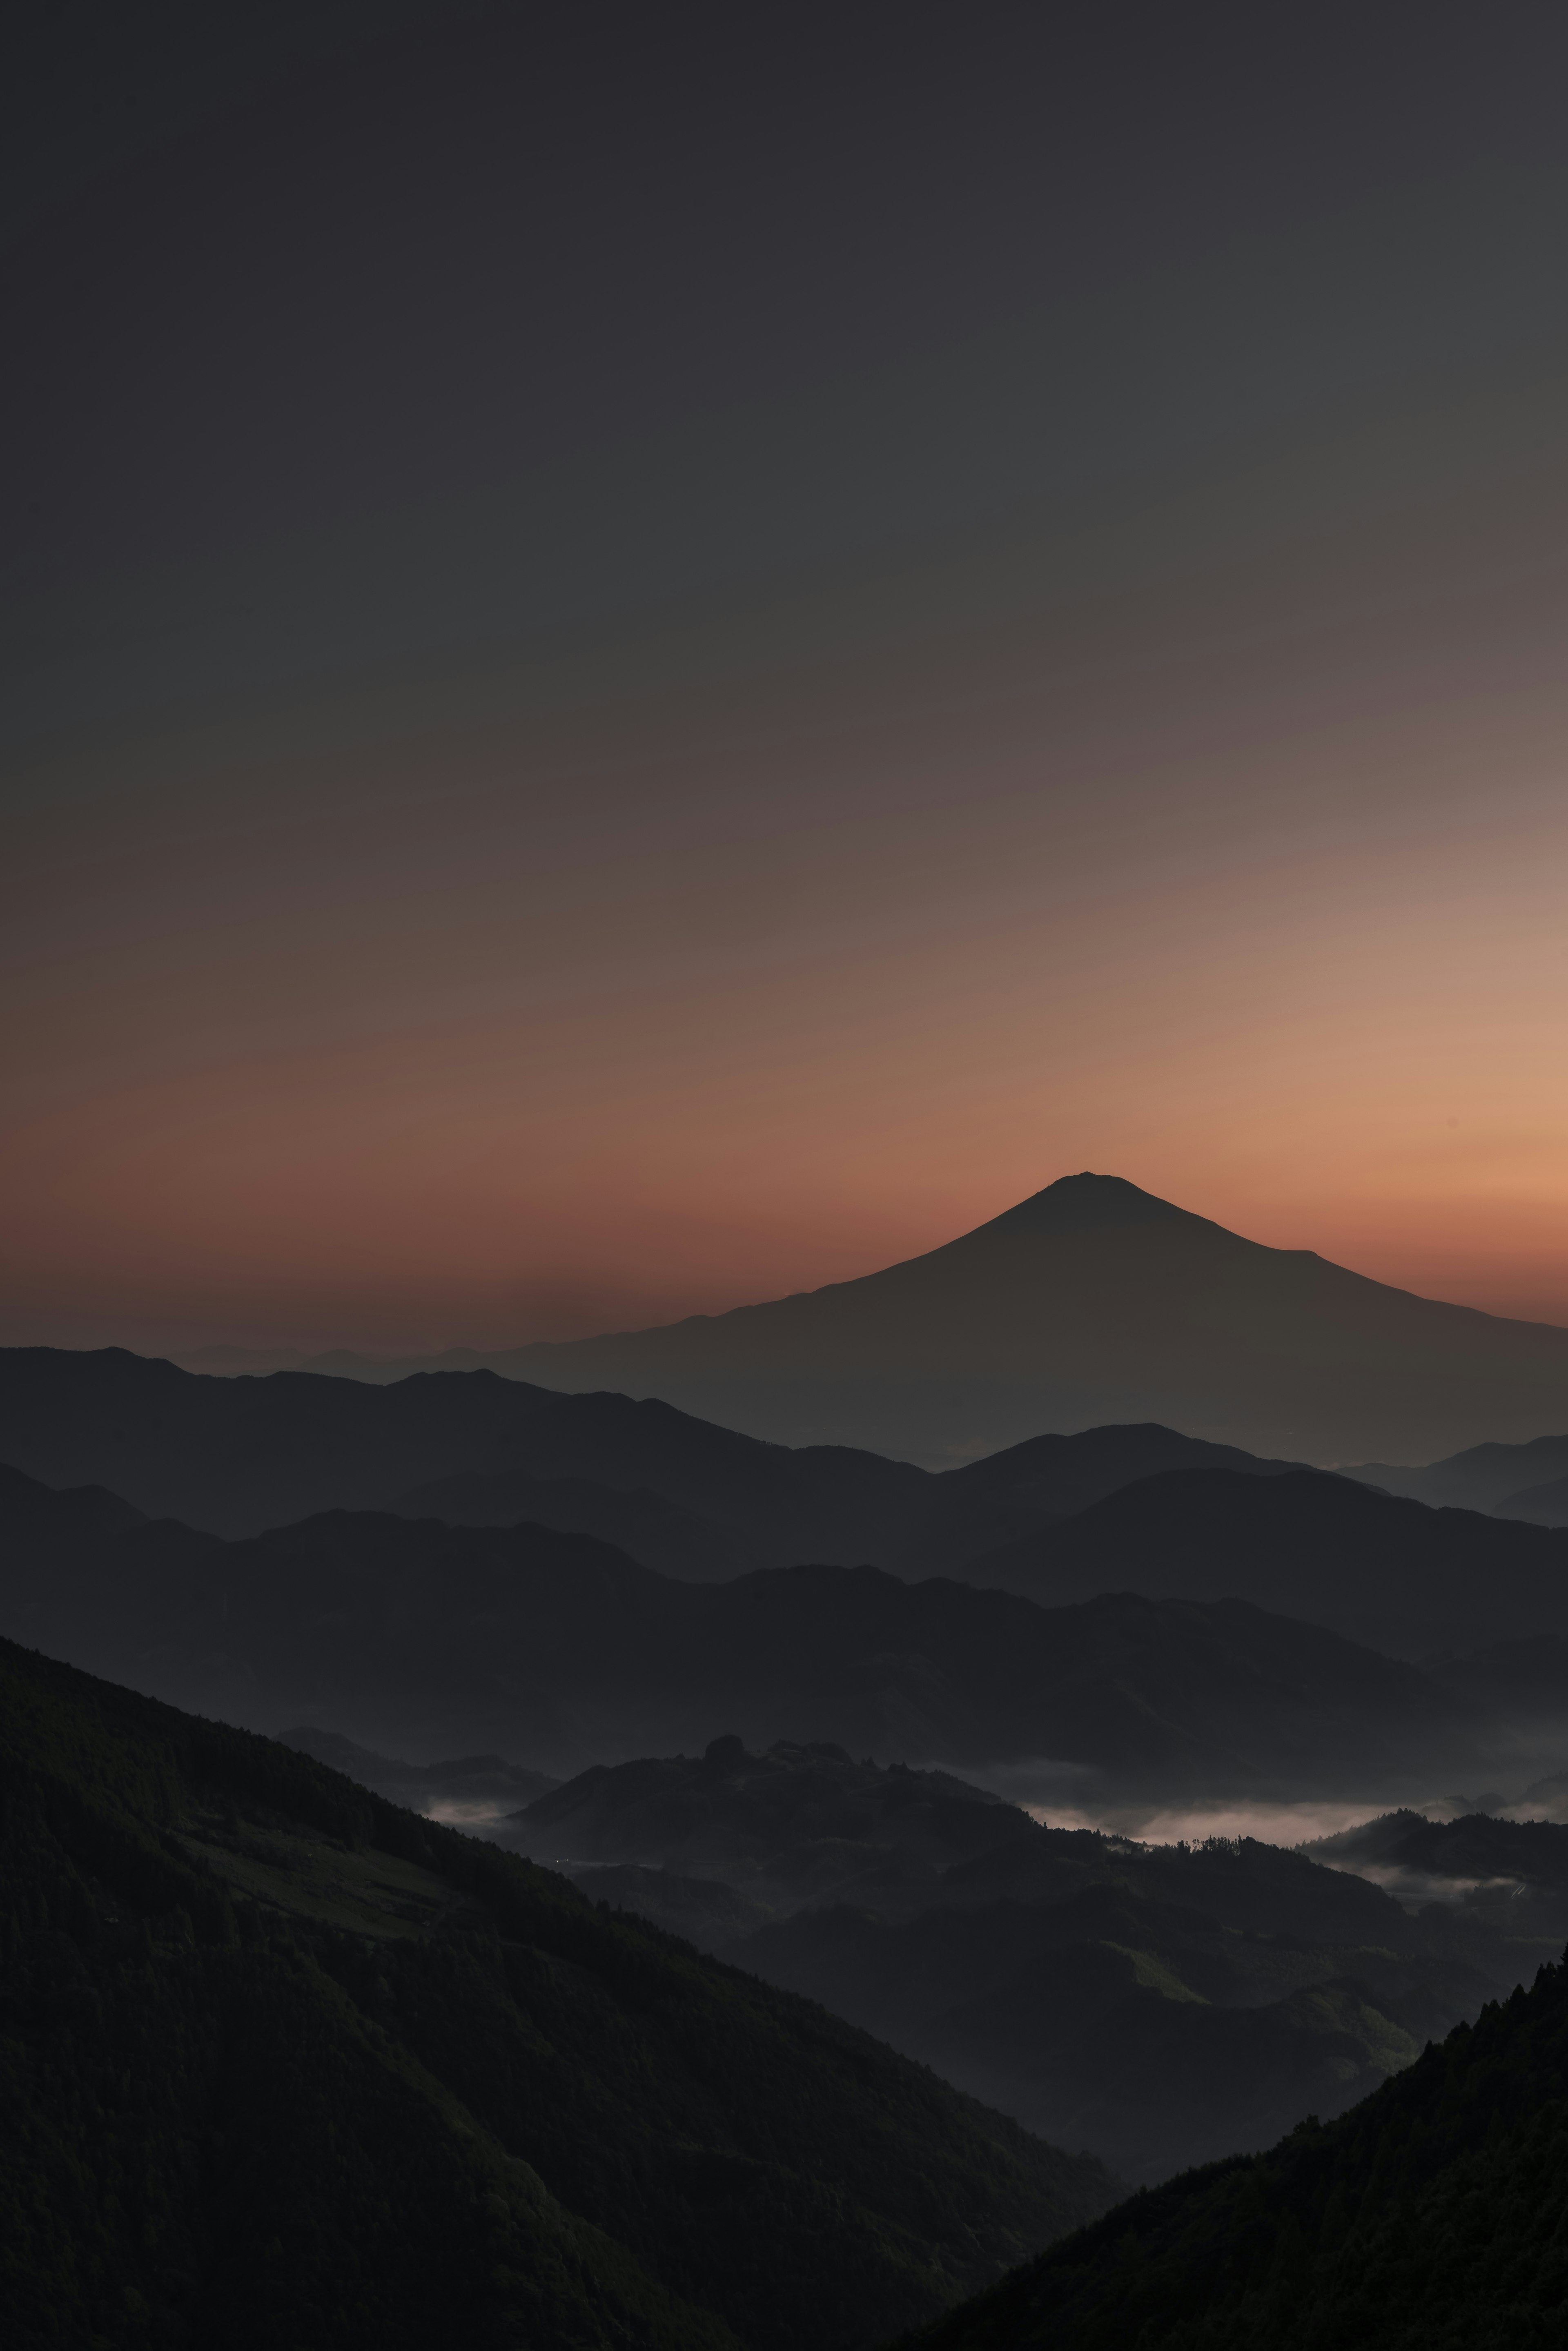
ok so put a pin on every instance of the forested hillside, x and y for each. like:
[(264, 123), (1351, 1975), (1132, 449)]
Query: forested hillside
[(1431, 2218), (285, 2064)]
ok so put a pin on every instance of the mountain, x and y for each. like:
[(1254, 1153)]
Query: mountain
[(1426, 2219), (1162, 2005), (285, 2063), (769, 1504), (1481, 1478), (1378, 1568), (681, 1495), (970, 1510), (411, 1637), (1093, 1301), (234, 1456), (1513, 1873)]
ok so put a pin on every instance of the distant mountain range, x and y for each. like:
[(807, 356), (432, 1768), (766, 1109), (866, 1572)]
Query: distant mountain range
[(1515, 1481), (1093, 1301), (559, 1650), (683, 1495)]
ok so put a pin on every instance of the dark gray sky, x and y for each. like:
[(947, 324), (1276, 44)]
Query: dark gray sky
[(448, 448)]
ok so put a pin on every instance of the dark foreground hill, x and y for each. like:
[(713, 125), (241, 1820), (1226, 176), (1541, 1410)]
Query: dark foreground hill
[(1427, 2218), (285, 2064), (1377, 1568), (416, 1639), (1093, 1301), (1161, 2005)]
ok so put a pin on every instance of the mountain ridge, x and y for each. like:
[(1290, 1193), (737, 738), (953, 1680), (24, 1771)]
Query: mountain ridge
[(1092, 1300), (558, 1649)]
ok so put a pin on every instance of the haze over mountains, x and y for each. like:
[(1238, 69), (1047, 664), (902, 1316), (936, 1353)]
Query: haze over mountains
[(700, 1630), (1163, 2005), (288, 2064), (237, 1456), (557, 1650), (1092, 1302)]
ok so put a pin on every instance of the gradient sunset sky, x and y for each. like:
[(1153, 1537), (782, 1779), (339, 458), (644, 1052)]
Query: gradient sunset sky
[(655, 656)]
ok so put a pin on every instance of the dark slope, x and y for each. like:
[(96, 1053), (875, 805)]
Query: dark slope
[(1095, 1301), (1157, 2033), (407, 1635), (1377, 1568), (284, 2063), (1427, 2218), (1162, 2006)]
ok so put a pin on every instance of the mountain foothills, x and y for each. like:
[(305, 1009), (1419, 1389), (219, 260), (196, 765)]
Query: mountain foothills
[(1093, 1301), (287, 2064), (561, 1651), (1162, 2005), (1429, 2218)]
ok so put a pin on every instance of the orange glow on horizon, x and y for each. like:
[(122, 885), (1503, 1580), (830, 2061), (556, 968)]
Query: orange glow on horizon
[(472, 1012)]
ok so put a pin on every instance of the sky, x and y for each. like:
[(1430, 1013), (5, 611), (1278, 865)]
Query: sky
[(654, 656)]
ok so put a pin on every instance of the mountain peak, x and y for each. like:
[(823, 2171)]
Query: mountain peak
[(1086, 1203)]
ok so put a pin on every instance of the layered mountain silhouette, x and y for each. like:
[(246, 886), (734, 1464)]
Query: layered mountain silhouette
[(1507, 1478), (1093, 1301), (681, 1495), (407, 1635), (234, 1456), (1511, 1873), (1376, 1567), (1162, 2005), (285, 2063)]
